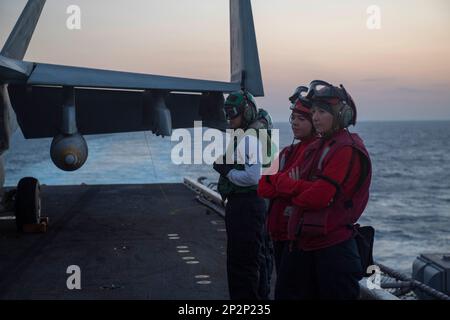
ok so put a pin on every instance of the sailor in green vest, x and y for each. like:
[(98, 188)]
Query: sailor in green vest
[(240, 169)]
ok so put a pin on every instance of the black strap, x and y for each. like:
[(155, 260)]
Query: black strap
[(332, 182), (337, 185), (350, 167), (316, 155), (364, 171)]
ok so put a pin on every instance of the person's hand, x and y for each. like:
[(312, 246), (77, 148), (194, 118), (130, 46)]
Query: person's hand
[(294, 174), (287, 182)]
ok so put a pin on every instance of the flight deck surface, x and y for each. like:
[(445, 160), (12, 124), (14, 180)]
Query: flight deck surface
[(130, 242)]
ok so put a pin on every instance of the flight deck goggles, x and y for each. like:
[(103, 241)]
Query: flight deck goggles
[(299, 96), (322, 90), (231, 112)]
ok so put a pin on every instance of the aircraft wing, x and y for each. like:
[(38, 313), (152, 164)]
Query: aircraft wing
[(48, 99), (58, 75), (66, 102), (112, 101)]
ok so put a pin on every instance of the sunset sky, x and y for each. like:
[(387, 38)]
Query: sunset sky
[(400, 72)]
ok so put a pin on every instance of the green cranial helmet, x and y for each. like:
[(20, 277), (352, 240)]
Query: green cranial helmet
[(241, 102), (263, 121)]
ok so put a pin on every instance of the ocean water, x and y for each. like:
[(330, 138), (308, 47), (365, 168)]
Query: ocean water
[(410, 194)]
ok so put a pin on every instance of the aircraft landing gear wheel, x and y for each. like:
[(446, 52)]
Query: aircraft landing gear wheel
[(28, 202)]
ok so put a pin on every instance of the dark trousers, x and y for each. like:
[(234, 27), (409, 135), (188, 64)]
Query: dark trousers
[(266, 266), (278, 250), (245, 224), (327, 274)]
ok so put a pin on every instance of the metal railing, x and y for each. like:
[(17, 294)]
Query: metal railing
[(395, 285)]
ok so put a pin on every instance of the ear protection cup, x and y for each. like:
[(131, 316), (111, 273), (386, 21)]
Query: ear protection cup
[(250, 112), (345, 115)]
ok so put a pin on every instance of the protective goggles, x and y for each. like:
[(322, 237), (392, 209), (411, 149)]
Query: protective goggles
[(231, 112), (298, 93), (319, 89), (300, 96)]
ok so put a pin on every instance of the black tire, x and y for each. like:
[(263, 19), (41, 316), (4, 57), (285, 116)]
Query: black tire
[(28, 202)]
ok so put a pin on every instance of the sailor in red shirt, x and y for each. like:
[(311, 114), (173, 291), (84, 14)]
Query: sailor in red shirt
[(330, 190), (277, 221)]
